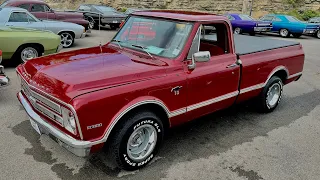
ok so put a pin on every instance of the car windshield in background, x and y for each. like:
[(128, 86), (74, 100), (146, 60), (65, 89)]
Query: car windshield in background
[(105, 9), (292, 19), (156, 36), (246, 17)]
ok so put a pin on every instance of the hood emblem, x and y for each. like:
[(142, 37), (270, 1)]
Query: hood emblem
[(176, 90)]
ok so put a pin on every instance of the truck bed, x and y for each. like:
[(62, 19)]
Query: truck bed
[(251, 44)]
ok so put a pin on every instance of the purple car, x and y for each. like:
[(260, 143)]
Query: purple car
[(242, 23)]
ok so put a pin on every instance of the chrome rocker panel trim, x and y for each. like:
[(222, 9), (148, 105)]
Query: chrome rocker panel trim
[(77, 147)]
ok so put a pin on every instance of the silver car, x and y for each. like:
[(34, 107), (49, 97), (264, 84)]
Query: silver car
[(18, 17)]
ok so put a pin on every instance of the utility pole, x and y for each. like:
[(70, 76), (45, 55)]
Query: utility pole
[(251, 6)]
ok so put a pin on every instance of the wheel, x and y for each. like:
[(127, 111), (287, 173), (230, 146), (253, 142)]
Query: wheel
[(27, 52), (271, 95), (297, 35), (137, 140), (91, 23), (318, 34), (252, 34), (67, 39), (284, 33), (237, 30)]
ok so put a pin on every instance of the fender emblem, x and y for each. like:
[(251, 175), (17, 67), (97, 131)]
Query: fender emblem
[(176, 90), (94, 126)]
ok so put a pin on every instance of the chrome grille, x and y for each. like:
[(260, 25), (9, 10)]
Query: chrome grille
[(49, 109)]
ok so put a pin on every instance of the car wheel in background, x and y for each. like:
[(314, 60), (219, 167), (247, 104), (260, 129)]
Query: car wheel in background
[(136, 140), (237, 30), (296, 35), (91, 23), (284, 33), (27, 52), (318, 34), (67, 39), (271, 95)]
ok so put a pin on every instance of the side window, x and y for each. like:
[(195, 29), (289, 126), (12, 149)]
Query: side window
[(84, 8), (214, 38), (24, 6), (195, 44), (267, 18), (231, 18), (18, 17), (276, 19), (46, 8), (37, 8)]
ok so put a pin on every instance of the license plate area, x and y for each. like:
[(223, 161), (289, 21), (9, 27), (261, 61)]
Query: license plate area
[(35, 126)]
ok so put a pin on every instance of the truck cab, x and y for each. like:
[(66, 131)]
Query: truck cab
[(162, 69)]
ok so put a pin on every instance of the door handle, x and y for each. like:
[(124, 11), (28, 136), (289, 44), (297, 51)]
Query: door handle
[(232, 65)]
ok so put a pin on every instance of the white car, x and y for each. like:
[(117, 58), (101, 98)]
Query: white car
[(18, 17)]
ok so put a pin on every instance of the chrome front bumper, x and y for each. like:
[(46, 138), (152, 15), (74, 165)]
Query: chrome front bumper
[(77, 147), (4, 80), (262, 29)]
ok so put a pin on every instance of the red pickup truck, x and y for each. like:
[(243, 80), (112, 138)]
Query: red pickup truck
[(123, 96), (42, 10)]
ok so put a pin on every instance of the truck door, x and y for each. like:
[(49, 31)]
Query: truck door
[(212, 85), (42, 11)]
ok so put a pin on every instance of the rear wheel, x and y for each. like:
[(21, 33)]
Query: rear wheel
[(318, 34), (237, 30), (297, 35), (284, 33), (91, 23), (27, 52), (271, 95), (137, 140), (67, 39)]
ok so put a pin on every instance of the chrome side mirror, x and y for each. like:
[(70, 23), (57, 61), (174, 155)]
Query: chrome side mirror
[(202, 56)]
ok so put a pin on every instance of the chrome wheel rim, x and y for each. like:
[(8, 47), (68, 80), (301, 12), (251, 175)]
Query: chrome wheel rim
[(284, 32), (237, 31), (318, 34), (66, 39), (273, 95), (91, 23), (142, 142), (28, 54)]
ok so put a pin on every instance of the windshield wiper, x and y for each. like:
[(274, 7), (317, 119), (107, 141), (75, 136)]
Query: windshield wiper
[(143, 48), (118, 42)]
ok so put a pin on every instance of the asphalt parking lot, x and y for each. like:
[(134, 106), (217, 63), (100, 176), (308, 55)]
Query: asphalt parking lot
[(237, 143)]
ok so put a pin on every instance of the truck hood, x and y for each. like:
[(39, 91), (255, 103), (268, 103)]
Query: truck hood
[(70, 74), (68, 15)]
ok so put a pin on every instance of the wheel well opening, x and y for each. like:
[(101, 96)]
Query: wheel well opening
[(157, 109), (36, 45), (282, 74), (72, 33)]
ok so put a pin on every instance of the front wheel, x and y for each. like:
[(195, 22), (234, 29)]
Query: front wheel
[(297, 35), (284, 33), (27, 52), (67, 39), (137, 140), (271, 95)]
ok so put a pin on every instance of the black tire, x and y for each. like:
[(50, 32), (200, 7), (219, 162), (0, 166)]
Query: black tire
[(284, 33), (237, 30), (295, 35), (263, 105), (17, 54), (119, 140), (318, 34)]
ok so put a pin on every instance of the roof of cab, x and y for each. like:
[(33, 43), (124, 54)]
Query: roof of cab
[(180, 15)]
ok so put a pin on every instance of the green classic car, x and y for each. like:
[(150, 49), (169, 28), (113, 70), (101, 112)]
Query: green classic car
[(21, 44)]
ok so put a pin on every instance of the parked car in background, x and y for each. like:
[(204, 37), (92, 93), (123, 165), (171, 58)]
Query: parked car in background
[(108, 15), (131, 10), (285, 25), (242, 23), (4, 80), (126, 94), (18, 17), (42, 10), (21, 44), (313, 27)]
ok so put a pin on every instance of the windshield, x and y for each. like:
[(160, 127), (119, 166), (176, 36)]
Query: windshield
[(159, 37), (105, 8), (246, 17), (292, 19)]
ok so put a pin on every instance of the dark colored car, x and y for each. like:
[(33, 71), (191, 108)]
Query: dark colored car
[(242, 23), (107, 15), (43, 11), (313, 27)]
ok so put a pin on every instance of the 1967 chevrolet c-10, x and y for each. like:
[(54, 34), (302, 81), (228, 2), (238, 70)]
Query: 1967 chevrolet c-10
[(122, 97)]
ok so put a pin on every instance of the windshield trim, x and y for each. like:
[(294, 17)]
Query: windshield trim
[(142, 51)]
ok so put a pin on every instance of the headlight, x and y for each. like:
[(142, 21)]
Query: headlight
[(69, 120)]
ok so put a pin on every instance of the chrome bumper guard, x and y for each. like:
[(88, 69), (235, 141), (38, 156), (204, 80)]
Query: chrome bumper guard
[(77, 147), (4, 80)]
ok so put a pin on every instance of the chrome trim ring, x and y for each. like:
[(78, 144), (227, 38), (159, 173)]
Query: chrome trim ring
[(142, 142), (273, 95), (28, 53)]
